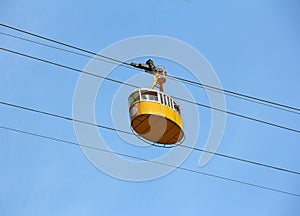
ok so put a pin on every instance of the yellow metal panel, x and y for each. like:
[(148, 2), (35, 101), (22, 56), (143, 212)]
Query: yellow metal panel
[(148, 119), (148, 107)]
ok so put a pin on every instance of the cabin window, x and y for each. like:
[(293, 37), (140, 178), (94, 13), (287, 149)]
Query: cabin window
[(134, 97), (176, 107), (149, 95)]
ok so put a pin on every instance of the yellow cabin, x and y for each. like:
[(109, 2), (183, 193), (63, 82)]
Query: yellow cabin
[(155, 117)]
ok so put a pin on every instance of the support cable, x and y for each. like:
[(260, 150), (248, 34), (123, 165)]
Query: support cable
[(130, 133), (151, 161), (134, 86), (112, 60)]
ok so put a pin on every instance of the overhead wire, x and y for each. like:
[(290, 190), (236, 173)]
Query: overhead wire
[(108, 59), (134, 86), (130, 133), (64, 50), (63, 44), (211, 88), (242, 96), (151, 161), (239, 115), (259, 101), (111, 60)]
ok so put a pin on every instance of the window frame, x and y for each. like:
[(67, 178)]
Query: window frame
[(155, 96), (135, 99), (149, 95)]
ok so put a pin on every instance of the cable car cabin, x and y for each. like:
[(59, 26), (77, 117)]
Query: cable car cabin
[(155, 117)]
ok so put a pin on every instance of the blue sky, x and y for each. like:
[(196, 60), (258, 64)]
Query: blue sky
[(254, 48)]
